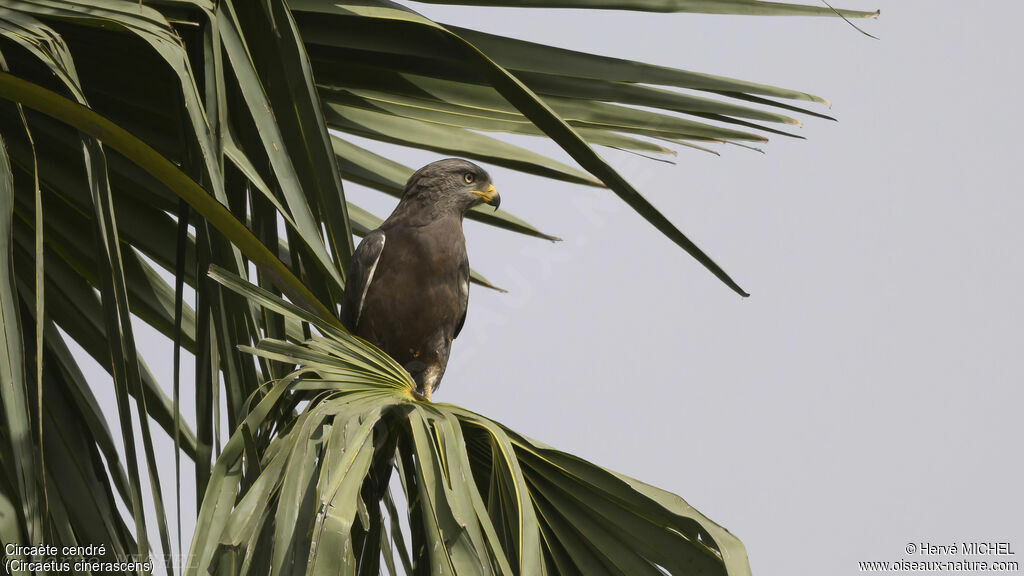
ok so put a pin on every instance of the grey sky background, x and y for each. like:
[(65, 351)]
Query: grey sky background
[(868, 393)]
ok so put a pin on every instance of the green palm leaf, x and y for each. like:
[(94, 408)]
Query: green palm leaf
[(210, 161), (493, 501), (747, 7)]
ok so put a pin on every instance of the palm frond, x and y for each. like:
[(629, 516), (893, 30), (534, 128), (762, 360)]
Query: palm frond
[(214, 154), (483, 499), (742, 7)]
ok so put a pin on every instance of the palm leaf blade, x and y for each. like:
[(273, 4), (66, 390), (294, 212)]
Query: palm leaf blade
[(210, 164)]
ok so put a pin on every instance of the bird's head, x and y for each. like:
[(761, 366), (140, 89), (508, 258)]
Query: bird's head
[(453, 183)]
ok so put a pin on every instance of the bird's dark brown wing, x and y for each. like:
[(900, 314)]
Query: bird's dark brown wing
[(360, 275), (464, 289)]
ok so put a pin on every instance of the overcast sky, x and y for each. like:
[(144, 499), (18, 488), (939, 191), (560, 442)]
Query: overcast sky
[(868, 394)]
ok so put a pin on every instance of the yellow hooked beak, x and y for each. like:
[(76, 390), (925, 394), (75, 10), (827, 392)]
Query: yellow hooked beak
[(490, 195)]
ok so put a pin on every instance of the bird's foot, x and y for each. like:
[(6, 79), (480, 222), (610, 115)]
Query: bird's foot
[(422, 397)]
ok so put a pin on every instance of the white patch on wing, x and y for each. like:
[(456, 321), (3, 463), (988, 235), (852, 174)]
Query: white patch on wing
[(369, 278)]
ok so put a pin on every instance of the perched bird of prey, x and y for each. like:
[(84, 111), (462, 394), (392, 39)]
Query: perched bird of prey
[(408, 282)]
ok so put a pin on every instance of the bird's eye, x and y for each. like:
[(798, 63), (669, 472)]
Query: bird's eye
[(469, 177)]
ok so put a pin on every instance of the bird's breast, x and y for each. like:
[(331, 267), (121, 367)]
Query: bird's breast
[(417, 295)]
